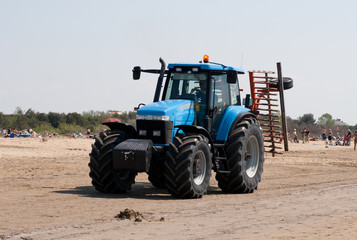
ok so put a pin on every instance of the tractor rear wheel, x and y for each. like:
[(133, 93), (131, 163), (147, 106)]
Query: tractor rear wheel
[(104, 177), (245, 157), (188, 166)]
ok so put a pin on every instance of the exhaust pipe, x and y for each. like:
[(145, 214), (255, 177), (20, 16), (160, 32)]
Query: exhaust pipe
[(159, 80)]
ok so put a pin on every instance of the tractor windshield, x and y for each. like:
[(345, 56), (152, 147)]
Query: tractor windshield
[(210, 91), (186, 86)]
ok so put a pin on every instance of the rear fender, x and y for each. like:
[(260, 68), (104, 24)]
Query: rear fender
[(232, 116)]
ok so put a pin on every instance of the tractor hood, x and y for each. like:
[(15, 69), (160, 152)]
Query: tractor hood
[(178, 111)]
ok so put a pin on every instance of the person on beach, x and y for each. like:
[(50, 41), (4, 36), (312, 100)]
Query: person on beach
[(355, 140), (349, 133), (347, 139), (324, 136), (330, 137), (303, 135), (296, 140), (307, 133)]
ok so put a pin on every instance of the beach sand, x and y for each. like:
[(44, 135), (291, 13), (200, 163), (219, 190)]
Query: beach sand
[(309, 192)]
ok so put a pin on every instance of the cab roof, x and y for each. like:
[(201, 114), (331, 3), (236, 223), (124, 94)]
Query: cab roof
[(205, 66)]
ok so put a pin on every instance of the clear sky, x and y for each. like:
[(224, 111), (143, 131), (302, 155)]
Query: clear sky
[(78, 55)]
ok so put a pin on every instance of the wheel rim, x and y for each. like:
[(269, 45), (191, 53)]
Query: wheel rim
[(199, 167), (252, 156)]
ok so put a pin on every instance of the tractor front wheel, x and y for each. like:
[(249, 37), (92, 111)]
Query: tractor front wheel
[(104, 177), (188, 166)]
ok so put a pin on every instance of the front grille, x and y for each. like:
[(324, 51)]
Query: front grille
[(165, 127)]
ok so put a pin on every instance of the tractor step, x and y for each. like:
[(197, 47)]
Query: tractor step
[(219, 145), (222, 165)]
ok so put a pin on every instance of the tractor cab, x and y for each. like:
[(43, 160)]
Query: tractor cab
[(212, 87)]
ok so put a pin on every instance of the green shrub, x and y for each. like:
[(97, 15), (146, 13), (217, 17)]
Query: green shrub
[(69, 129), (44, 127)]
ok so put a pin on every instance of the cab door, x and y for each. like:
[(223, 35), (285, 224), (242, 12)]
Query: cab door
[(223, 95)]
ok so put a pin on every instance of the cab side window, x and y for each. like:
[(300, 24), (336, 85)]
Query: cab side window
[(220, 93), (235, 94)]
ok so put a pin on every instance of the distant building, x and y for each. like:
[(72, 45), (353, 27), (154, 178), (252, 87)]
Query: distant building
[(339, 122)]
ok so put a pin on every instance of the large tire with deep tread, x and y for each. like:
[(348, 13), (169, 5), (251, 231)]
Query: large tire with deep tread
[(156, 173), (245, 157), (188, 166), (104, 177)]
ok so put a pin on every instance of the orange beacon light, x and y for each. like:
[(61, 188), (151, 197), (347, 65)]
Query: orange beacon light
[(205, 58)]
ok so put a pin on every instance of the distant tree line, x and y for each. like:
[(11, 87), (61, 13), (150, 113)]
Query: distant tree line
[(61, 123), (316, 126), (66, 124)]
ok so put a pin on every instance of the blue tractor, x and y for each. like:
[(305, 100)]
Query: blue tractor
[(199, 125)]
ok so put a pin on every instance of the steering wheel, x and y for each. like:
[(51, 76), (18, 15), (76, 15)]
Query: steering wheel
[(195, 89)]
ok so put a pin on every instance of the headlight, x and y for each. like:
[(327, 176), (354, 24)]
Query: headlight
[(153, 117)]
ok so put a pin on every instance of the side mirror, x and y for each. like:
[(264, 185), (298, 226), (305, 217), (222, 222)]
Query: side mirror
[(232, 76), (136, 73), (247, 101)]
